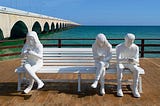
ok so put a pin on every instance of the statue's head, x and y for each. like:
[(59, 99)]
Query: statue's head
[(101, 40), (32, 38), (129, 39)]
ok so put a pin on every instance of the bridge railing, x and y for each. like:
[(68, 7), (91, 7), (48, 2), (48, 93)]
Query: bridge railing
[(143, 43)]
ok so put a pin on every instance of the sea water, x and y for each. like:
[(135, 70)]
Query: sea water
[(111, 32), (92, 31)]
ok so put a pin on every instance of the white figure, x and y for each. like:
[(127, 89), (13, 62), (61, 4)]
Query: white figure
[(128, 57), (102, 53), (33, 52)]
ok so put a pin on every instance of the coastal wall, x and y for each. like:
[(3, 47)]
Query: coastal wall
[(10, 19)]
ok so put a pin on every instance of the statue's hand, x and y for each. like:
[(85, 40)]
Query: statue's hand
[(24, 53), (34, 54), (101, 57), (130, 60), (123, 60), (30, 52)]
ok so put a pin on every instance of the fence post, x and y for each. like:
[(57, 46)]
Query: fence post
[(142, 47), (59, 43)]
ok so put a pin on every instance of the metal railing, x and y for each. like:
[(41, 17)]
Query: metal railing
[(141, 42)]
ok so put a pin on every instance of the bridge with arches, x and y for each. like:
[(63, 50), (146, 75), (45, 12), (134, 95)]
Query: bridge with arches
[(16, 23)]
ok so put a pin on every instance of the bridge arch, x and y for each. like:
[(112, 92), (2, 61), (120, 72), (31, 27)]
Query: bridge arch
[(19, 30), (37, 27), (57, 27), (63, 25), (60, 26), (46, 28), (1, 35), (52, 27)]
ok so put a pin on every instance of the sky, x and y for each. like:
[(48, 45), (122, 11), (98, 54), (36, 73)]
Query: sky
[(94, 12)]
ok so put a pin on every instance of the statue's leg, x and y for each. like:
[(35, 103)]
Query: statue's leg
[(30, 86), (100, 67), (102, 78), (120, 68), (31, 71), (135, 71)]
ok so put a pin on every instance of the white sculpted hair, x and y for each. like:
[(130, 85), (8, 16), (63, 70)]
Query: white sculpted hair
[(102, 38), (130, 36), (34, 35)]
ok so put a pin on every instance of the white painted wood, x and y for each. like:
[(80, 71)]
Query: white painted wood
[(74, 61)]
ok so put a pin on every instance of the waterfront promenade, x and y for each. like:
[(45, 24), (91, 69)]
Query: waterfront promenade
[(66, 93)]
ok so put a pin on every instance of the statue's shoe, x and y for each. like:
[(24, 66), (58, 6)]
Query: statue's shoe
[(27, 90), (94, 85), (102, 91), (136, 94), (40, 85), (119, 93)]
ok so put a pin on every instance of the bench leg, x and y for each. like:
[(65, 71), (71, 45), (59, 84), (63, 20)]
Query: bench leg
[(140, 84), (79, 82), (24, 78), (19, 82)]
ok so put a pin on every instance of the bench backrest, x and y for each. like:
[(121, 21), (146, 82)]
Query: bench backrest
[(71, 56)]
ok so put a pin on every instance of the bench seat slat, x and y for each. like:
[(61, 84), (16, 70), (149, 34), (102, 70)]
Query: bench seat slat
[(70, 49), (76, 69), (79, 69), (90, 52), (66, 58), (66, 64), (70, 61), (70, 55), (67, 49)]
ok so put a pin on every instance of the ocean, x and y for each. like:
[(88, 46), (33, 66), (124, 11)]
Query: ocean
[(110, 32)]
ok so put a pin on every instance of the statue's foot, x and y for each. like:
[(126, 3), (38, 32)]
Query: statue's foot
[(40, 85), (102, 91), (119, 93), (27, 90), (136, 94), (94, 85)]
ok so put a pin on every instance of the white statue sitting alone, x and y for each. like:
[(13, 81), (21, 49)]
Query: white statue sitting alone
[(33, 52), (102, 53), (128, 57)]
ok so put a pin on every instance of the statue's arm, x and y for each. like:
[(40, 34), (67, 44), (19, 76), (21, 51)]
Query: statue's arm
[(109, 54), (24, 51), (39, 54), (136, 58), (119, 58), (94, 51)]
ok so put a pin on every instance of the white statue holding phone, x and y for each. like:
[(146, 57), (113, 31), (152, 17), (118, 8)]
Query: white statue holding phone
[(33, 52), (102, 53), (128, 57)]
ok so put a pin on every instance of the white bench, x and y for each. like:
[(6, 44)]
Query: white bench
[(73, 61)]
